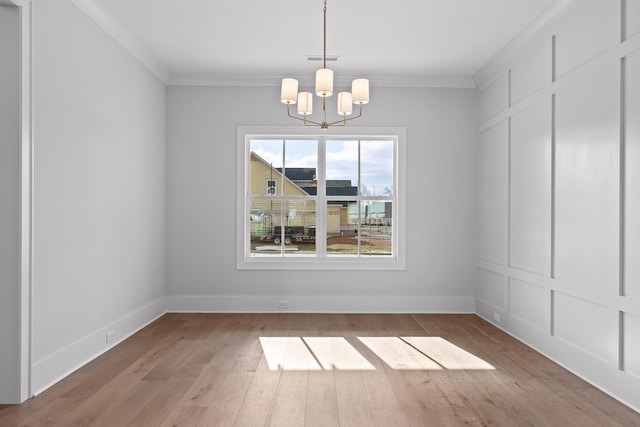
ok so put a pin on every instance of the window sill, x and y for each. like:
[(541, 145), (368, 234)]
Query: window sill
[(329, 263)]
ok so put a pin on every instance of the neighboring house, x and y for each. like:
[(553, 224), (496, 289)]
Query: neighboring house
[(372, 213), (267, 214), (377, 213), (342, 216)]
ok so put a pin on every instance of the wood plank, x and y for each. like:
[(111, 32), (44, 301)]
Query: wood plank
[(224, 408), (290, 400), (321, 406), (353, 406), (186, 417)]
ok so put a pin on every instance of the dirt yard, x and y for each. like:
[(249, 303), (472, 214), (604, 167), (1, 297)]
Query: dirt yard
[(346, 244)]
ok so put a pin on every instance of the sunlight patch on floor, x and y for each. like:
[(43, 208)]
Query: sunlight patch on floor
[(397, 354), (336, 353), (446, 354), (312, 353), (288, 354)]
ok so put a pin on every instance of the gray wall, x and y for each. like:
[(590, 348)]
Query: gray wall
[(558, 202), (201, 216), (9, 204), (99, 179)]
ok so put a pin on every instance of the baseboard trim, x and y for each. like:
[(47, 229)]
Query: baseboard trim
[(617, 384), (53, 368), (318, 304)]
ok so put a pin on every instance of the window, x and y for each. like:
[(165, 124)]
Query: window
[(331, 201), (271, 187)]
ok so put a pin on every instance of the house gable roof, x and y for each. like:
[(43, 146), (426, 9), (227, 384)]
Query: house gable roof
[(255, 157)]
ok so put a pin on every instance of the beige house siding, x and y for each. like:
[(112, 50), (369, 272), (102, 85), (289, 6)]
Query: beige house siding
[(267, 214), (261, 171)]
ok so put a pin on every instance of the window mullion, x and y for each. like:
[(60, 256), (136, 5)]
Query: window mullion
[(394, 200), (246, 212), (359, 201), (321, 200)]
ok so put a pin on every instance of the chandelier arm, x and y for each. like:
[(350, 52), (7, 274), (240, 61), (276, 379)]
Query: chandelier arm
[(305, 120), (345, 120)]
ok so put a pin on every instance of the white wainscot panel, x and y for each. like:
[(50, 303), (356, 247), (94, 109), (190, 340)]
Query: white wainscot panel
[(492, 289), (583, 324), (530, 189), (587, 181), (492, 193), (632, 18), (631, 344), (588, 36), (493, 98), (632, 171), (531, 74), (528, 302)]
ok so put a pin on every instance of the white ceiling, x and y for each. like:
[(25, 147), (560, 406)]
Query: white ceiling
[(270, 39)]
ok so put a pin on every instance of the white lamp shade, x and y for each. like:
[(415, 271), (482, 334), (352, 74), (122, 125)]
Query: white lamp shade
[(305, 103), (289, 91), (324, 82), (360, 91), (345, 103)]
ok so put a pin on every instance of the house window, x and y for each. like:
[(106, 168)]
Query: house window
[(271, 187), (331, 201)]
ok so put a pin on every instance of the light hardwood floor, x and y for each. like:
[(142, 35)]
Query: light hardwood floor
[(320, 370)]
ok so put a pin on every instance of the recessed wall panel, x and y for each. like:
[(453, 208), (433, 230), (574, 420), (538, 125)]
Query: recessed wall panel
[(493, 99), (631, 344), (528, 302), (491, 289), (530, 189), (632, 176), (590, 35), (583, 324), (531, 74), (492, 193), (632, 18), (587, 181)]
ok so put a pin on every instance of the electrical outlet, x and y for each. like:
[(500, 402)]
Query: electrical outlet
[(111, 335), (283, 305), (496, 317)]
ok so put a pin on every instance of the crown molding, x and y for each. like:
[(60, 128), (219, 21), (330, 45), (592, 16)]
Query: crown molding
[(12, 3), (94, 10), (111, 26), (380, 81), (547, 23)]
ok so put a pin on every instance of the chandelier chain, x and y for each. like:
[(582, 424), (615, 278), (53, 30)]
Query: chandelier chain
[(324, 55)]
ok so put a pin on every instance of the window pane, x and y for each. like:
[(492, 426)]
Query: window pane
[(376, 227), (342, 168), (342, 227), (265, 218), (301, 163), (266, 158), (376, 168), (300, 227)]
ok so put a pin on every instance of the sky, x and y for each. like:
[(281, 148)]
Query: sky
[(342, 159)]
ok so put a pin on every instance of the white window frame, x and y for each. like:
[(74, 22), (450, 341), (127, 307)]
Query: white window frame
[(320, 260)]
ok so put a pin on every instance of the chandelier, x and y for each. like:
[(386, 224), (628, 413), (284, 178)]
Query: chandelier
[(324, 88)]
